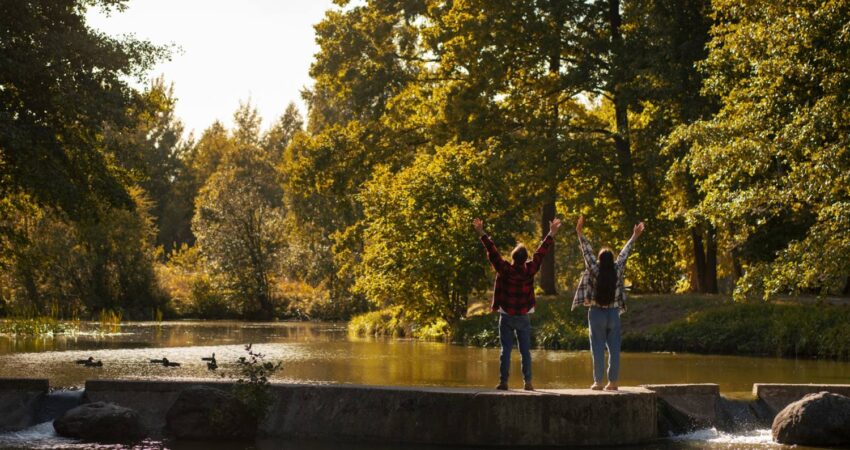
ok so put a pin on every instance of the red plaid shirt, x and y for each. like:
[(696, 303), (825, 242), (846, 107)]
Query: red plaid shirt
[(514, 289)]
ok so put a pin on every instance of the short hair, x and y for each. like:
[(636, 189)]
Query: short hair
[(520, 254)]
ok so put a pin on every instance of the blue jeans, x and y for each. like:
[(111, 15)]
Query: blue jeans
[(508, 326), (605, 332)]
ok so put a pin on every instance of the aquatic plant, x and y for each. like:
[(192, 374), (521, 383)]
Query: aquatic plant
[(252, 386), (37, 326), (110, 321)]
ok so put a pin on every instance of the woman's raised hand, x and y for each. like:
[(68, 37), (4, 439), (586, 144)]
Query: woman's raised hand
[(638, 230)]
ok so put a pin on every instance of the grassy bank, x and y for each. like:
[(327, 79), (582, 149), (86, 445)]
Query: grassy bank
[(699, 324)]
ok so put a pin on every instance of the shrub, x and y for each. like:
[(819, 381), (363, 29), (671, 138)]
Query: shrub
[(252, 386)]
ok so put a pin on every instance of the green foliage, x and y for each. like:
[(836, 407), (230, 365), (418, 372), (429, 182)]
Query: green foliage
[(773, 161), (79, 268), (721, 124), (418, 249), (39, 326), (396, 322), (804, 329), (239, 221), (554, 326), (61, 83), (790, 330), (252, 385), (392, 322)]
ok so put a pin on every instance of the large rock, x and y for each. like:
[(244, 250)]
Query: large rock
[(202, 412), (817, 419), (100, 422)]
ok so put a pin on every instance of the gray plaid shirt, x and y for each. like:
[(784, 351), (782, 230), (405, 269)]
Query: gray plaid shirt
[(587, 285)]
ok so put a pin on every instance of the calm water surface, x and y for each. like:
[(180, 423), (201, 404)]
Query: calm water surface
[(326, 353)]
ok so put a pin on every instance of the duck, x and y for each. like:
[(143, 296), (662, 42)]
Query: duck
[(211, 362), (90, 362), (165, 362)]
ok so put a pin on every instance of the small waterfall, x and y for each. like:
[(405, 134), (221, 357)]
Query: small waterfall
[(57, 403), (736, 416), (42, 434)]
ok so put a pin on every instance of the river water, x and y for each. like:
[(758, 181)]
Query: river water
[(326, 353)]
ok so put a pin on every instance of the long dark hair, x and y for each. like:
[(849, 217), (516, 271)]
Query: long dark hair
[(606, 281)]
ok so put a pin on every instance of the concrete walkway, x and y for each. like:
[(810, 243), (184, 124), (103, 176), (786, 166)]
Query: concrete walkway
[(456, 416)]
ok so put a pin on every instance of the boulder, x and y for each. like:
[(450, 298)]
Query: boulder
[(202, 412), (821, 419), (100, 422)]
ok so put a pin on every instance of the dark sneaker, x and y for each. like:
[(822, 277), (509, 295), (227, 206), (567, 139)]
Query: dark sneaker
[(528, 386), (502, 386)]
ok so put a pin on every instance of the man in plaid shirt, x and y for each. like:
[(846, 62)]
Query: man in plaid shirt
[(513, 298)]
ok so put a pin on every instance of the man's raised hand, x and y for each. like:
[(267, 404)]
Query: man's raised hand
[(478, 224), (579, 224), (554, 225)]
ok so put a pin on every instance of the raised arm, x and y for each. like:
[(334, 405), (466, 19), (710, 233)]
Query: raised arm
[(586, 249), (546, 245), (624, 253), (493, 255)]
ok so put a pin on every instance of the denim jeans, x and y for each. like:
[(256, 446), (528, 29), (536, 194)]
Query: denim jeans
[(508, 326), (605, 332)]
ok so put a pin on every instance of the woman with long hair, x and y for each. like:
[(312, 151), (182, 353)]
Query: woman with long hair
[(602, 291)]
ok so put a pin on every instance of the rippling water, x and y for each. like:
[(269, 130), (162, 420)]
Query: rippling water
[(325, 353)]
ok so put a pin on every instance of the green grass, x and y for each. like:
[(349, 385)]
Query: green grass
[(36, 326), (683, 323)]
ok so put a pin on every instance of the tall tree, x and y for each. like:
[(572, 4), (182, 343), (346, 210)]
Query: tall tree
[(773, 162), (60, 82), (150, 148), (239, 223)]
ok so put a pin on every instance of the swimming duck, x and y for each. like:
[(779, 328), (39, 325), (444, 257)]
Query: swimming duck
[(211, 362), (90, 362), (165, 362)]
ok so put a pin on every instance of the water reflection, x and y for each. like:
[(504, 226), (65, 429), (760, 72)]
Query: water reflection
[(325, 353)]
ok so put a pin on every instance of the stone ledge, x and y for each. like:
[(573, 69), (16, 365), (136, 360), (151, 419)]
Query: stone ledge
[(776, 396), (24, 384), (426, 415), (684, 389)]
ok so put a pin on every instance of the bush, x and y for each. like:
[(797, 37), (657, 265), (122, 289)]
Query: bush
[(385, 322), (790, 330), (252, 386), (209, 303), (697, 324)]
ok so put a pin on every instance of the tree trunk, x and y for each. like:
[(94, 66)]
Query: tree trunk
[(622, 142), (847, 287), (710, 280), (547, 269), (699, 261)]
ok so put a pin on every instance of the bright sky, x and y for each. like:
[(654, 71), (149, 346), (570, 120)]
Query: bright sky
[(232, 51)]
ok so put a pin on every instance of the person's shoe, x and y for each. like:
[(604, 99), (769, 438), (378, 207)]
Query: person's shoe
[(502, 386), (528, 386), (611, 387), (596, 387)]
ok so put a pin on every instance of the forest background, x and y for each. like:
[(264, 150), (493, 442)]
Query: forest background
[(724, 125)]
